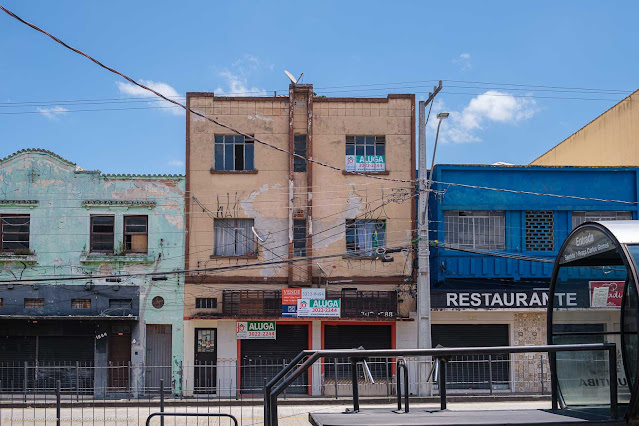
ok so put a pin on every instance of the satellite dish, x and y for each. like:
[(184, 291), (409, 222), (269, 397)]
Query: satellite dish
[(290, 77)]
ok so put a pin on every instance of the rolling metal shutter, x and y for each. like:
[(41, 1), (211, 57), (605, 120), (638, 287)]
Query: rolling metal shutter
[(354, 336), (472, 371), (264, 358)]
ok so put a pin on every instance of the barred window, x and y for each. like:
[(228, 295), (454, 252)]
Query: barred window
[(206, 303), (34, 303), (299, 148), (480, 229), (234, 237), (580, 217), (80, 303), (363, 237), (14, 230), (234, 153)]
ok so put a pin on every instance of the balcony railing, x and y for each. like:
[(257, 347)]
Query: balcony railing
[(268, 303)]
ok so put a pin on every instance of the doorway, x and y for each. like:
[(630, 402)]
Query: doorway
[(205, 368)]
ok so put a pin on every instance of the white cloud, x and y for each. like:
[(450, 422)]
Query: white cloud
[(163, 88), (485, 109), (463, 60), (236, 78), (176, 163), (53, 113)]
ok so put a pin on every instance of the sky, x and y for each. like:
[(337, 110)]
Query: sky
[(509, 69)]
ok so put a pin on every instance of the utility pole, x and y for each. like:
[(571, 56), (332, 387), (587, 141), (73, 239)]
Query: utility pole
[(423, 273)]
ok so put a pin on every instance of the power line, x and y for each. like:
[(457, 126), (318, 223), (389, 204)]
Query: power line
[(190, 110)]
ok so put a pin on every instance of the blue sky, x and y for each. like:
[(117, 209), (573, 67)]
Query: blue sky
[(370, 46)]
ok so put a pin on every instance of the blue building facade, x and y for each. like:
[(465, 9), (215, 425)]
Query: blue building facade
[(495, 232)]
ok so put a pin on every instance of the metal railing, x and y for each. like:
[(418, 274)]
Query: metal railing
[(305, 360)]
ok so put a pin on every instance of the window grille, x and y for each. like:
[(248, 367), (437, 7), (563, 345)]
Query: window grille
[(234, 237), (484, 230), (80, 303), (34, 303), (580, 217), (540, 230), (363, 237), (14, 230), (206, 303), (299, 148), (299, 237), (233, 153)]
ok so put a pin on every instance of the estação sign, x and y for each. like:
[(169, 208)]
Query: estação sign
[(318, 308), (365, 163), (256, 330)]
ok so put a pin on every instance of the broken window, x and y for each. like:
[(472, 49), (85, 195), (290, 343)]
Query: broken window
[(80, 303), (363, 237), (234, 237), (102, 234), (234, 153), (299, 148), (299, 237), (136, 234), (15, 233)]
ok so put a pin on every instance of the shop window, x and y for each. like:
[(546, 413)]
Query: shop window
[(234, 153), (80, 303), (206, 303), (540, 230), (580, 217), (136, 234), (102, 234), (299, 237), (234, 237), (299, 148), (363, 237), (14, 230), (34, 303), (485, 230)]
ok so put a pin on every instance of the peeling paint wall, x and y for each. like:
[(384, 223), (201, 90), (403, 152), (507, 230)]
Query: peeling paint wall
[(60, 233)]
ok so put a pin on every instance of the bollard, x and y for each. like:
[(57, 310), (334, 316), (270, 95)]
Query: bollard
[(162, 401), (57, 404)]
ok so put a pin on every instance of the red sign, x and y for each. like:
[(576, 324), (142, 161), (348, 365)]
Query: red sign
[(606, 294), (290, 296)]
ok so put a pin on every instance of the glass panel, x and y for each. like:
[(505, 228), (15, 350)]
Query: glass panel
[(229, 161), (370, 149), (380, 149), (630, 309), (359, 149), (350, 149), (135, 224), (249, 156), (219, 156)]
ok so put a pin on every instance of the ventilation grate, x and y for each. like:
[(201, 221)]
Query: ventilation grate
[(540, 230)]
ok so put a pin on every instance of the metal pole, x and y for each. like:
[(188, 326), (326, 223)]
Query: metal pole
[(335, 374), (162, 401), (612, 367), (541, 371), (490, 373), (77, 381), (554, 391), (57, 403), (25, 381), (442, 384), (423, 275), (355, 389)]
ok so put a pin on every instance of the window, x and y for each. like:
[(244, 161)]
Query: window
[(299, 148), (234, 237), (299, 237), (157, 302), (136, 235), (365, 145), (233, 153), (102, 233), (540, 230), (580, 217), (206, 303), (34, 303), (80, 303), (15, 233), (478, 229), (120, 303), (363, 237)]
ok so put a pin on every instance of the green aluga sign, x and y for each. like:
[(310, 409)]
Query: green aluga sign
[(256, 330), (318, 308), (365, 163)]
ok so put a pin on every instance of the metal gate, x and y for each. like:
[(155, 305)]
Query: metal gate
[(158, 356), (262, 359), (475, 371)]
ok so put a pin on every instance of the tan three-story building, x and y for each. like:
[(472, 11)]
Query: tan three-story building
[(269, 233)]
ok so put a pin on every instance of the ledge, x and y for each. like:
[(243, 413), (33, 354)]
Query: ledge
[(233, 172), (108, 258), (384, 173), (26, 258), (117, 203), (233, 257), (19, 203)]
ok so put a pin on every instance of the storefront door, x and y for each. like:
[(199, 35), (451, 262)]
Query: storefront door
[(205, 373)]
